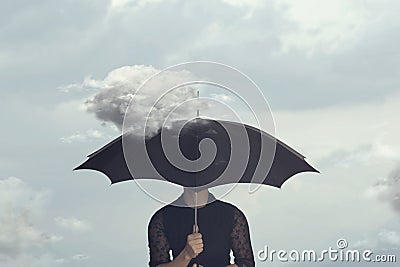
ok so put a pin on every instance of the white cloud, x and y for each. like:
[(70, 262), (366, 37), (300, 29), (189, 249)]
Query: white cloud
[(326, 25), (60, 260), (389, 237), (73, 224), (88, 84), (365, 243), (29, 260), (360, 132), (309, 26), (249, 5), (121, 4), (89, 135), (80, 257), (120, 94), (19, 208), (383, 238), (22, 239), (387, 189), (222, 97)]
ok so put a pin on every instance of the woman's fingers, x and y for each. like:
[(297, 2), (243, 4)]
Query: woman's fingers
[(196, 246), (196, 241), (194, 236)]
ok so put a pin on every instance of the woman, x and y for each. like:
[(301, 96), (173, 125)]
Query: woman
[(222, 228)]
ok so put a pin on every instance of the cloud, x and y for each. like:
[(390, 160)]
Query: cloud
[(121, 4), (249, 5), (383, 238), (19, 207), (345, 134), (389, 237), (337, 24), (222, 97), (88, 84), (387, 189), (22, 239), (82, 137), (29, 260), (73, 224), (120, 86), (80, 257)]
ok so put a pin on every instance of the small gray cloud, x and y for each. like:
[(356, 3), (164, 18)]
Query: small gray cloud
[(222, 97), (118, 5), (389, 237), (387, 189), (19, 206), (82, 137), (384, 238), (73, 224), (80, 257), (31, 260)]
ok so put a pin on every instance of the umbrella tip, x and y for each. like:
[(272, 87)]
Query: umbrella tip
[(78, 167), (198, 111), (315, 170)]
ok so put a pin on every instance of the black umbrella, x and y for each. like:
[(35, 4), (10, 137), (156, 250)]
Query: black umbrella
[(262, 158)]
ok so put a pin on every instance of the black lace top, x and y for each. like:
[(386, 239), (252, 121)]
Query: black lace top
[(222, 225)]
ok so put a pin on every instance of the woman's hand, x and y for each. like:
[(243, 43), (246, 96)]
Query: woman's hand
[(194, 244)]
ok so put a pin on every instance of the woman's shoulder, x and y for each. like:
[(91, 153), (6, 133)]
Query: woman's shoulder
[(227, 206), (163, 211), (158, 215), (224, 204), (232, 209)]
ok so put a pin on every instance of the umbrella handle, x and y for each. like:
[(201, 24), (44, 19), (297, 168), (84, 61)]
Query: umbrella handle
[(195, 211)]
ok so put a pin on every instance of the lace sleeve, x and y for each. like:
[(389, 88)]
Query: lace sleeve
[(158, 243), (241, 244)]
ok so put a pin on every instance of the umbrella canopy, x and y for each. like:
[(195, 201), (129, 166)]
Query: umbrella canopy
[(232, 153)]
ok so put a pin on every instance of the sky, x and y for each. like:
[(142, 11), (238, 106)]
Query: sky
[(328, 69)]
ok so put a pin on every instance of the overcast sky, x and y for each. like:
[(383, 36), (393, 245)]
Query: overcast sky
[(329, 70)]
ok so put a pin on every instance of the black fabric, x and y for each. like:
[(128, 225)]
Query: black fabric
[(150, 161), (222, 225)]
